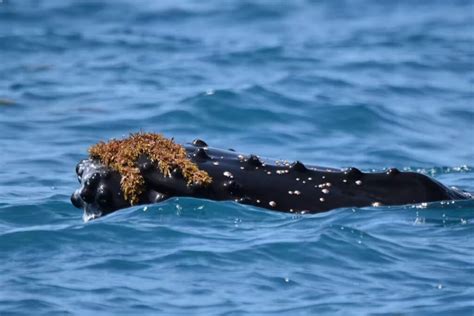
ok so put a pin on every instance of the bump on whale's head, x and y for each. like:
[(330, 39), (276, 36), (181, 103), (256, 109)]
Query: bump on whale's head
[(100, 192)]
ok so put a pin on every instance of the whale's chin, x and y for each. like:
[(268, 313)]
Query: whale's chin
[(91, 213)]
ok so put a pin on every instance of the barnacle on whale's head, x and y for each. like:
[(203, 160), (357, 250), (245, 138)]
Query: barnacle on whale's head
[(122, 155)]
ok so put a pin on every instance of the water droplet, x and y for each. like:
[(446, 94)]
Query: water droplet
[(358, 182), (272, 203), (321, 199), (179, 208), (297, 192), (215, 163), (228, 174), (325, 191)]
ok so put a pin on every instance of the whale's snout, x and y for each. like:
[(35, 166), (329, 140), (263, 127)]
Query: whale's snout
[(76, 200), (100, 191)]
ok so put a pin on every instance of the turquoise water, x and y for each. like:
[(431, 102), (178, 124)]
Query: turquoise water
[(371, 84)]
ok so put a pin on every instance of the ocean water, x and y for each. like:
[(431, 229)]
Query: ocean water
[(371, 84)]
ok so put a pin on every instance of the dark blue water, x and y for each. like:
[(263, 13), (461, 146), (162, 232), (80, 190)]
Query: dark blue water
[(372, 84)]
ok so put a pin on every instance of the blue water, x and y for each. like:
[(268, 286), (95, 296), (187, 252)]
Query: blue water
[(371, 84)]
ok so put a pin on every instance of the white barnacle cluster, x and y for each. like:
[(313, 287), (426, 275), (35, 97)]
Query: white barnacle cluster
[(283, 163), (228, 174), (295, 192), (324, 189)]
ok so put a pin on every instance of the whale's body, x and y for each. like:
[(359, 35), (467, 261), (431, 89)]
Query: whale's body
[(248, 179)]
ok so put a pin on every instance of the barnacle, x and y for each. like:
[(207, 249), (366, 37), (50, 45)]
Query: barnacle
[(122, 155)]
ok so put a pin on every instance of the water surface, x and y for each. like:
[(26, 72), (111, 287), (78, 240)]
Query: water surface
[(333, 83)]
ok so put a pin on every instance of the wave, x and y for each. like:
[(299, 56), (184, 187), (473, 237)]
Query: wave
[(142, 252)]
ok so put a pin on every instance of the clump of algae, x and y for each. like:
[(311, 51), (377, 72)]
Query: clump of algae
[(122, 155)]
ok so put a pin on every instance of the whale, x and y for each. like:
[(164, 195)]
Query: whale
[(277, 185)]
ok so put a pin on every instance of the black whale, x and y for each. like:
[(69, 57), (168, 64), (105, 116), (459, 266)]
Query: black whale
[(276, 185)]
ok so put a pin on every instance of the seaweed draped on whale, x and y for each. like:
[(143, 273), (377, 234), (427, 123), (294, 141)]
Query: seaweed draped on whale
[(148, 168)]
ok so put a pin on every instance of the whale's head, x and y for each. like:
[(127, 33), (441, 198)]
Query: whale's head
[(100, 192), (141, 169)]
